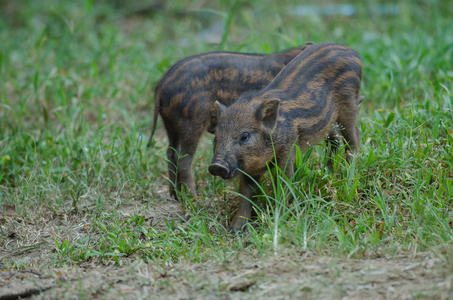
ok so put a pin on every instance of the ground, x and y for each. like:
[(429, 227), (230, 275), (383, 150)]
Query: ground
[(286, 274), (84, 206)]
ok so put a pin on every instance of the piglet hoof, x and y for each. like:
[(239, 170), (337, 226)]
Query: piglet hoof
[(349, 156), (177, 194), (237, 225)]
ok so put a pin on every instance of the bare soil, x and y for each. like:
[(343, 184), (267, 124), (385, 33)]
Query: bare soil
[(288, 274)]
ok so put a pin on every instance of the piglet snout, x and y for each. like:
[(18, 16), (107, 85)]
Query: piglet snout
[(219, 168)]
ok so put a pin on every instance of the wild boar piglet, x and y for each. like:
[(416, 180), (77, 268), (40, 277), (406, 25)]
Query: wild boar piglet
[(318, 89), (185, 96)]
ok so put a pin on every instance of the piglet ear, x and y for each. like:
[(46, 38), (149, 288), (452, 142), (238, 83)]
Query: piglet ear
[(219, 108), (267, 114), (215, 112)]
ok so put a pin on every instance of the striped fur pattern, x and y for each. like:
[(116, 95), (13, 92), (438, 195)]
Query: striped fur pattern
[(316, 90), (186, 94)]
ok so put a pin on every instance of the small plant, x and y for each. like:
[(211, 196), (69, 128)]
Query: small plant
[(76, 100)]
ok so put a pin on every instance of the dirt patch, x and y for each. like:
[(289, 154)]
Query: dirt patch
[(245, 275), (283, 276)]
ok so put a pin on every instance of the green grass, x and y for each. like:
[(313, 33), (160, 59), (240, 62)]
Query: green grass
[(76, 101)]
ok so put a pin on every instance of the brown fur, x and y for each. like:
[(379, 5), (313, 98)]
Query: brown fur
[(185, 97), (317, 90)]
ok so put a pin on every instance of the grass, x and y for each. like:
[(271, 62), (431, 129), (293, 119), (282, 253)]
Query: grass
[(76, 106)]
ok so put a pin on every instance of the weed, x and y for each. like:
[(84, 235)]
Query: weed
[(75, 104)]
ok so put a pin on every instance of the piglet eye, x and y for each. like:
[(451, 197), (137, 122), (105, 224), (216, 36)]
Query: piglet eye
[(245, 137)]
